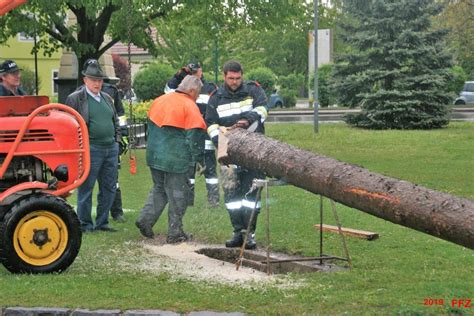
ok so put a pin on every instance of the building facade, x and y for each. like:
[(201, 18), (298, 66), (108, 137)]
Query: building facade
[(19, 48)]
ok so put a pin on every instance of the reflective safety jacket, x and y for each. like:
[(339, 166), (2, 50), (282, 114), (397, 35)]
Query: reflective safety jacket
[(176, 133), (226, 107)]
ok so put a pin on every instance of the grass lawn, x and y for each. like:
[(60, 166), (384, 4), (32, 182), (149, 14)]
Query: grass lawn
[(397, 273)]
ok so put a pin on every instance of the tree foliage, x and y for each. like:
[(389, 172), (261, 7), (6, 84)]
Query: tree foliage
[(212, 28), (265, 77), (276, 38), (102, 23), (396, 68), (458, 16), (99, 24), (28, 81)]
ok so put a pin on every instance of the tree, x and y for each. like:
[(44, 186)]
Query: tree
[(28, 81), (276, 37), (216, 27), (396, 67), (458, 16), (102, 23), (401, 202), (122, 72)]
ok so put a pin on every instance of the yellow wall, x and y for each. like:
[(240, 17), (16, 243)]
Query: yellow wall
[(20, 52)]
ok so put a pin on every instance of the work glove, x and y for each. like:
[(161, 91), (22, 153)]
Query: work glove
[(123, 145), (250, 116), (242, 123)]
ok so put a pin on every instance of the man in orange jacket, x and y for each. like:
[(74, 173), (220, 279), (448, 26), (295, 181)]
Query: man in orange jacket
[(175, 143)]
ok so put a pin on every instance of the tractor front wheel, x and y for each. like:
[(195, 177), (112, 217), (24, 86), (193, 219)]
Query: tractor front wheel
[(40, 234)]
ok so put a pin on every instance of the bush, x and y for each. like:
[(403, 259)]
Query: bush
[(326, 95), (149, 83), (456, 82), (292, 82), (291, 87), (265, 77), (140, 110), (28, 81), (289, 97)]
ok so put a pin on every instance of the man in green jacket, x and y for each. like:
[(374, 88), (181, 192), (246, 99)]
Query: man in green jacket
[(175, 143)]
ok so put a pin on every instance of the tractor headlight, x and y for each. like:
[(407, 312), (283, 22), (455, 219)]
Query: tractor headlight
[(61, 173)]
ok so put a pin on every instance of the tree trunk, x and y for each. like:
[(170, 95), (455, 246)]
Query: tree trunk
[(401, 202)]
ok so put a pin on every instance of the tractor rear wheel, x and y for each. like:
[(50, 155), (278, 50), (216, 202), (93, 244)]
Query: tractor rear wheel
[(40, 234)]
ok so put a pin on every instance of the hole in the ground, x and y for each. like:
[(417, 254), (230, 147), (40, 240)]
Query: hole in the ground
[(280, 263)]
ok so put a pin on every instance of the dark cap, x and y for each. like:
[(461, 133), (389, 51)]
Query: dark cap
[(92, 69), (9, 66), (193, 67)]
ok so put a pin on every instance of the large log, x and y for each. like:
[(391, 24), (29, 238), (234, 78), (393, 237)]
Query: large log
[(401, 202)]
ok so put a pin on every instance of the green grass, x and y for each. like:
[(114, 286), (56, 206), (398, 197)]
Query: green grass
[(391, 275)]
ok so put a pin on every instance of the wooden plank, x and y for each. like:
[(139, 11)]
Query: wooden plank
[(349, 232)]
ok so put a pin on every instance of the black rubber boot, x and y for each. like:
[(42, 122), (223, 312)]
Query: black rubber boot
[(183, 237), (235, 241), (237, 238), (251, 243)]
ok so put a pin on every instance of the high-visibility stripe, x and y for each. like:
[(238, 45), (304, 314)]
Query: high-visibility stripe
[(262, 111), (209, 145), (233, 205), (224, 110), (250, 204), (203, 99), (122, 120), (213, 130), (212, 180)]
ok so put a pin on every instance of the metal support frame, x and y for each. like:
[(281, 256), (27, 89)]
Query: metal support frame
[(261, 184)]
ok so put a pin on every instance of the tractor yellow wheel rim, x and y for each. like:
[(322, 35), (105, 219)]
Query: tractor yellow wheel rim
[(40, 238)]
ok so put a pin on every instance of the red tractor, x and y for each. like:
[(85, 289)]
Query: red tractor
[(44, 155)]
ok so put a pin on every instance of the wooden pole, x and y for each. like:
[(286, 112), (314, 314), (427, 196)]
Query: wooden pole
[(401, 202)]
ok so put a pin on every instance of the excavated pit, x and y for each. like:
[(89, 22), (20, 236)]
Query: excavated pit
[(257, 259)]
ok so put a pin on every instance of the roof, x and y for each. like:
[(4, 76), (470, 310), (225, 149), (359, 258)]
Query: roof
[(122, 49)]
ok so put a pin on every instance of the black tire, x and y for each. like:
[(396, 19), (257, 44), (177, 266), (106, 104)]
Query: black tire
[(278, 104), (40, 234), (460, 102)]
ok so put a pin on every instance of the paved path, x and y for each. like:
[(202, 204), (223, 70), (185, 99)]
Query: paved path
[(328, 115)]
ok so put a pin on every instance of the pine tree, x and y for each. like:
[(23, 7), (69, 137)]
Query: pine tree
[(397, 68)]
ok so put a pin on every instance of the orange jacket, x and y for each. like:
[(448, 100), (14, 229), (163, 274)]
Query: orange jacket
[(178, 110)]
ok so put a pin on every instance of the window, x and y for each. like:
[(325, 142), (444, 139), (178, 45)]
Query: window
[(469, 87), (22, 37), (54, 73)]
